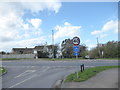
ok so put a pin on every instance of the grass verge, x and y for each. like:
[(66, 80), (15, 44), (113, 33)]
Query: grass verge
[(88, 73), (9, 59), (2, 70), (109, 58)]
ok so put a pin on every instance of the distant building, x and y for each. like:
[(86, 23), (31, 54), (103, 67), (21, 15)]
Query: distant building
[(22, 50), (46, 49), (2, 52), (43, 51)]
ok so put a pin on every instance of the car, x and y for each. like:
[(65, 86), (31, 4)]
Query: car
[(87, 57)]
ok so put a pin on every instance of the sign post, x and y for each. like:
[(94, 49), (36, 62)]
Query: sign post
[(76, 42), (76, 49)]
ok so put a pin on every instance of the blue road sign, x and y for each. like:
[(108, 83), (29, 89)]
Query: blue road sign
[(76, 53), (76, 48)]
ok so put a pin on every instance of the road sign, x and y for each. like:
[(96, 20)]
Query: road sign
[(76, 48), (76, 41), (76, 53)]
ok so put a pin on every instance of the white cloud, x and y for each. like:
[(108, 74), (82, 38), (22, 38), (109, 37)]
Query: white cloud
[(26, 26), (103, 35), (67, 24), (111, 25), (36, 22), (96, 32), (9, 27), (90, 46), (67, 30), (14, 28), (36, 7), (7, 46), (87, 41)]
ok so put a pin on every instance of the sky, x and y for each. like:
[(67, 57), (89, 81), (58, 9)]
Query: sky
[(28, 24)]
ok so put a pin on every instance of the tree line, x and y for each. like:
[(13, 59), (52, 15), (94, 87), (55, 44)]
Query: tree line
[(111, 49)]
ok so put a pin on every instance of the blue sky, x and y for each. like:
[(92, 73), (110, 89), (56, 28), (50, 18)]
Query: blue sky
[(31, 24)]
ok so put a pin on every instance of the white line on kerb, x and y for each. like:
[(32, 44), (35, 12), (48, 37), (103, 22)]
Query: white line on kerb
[(22, 81)]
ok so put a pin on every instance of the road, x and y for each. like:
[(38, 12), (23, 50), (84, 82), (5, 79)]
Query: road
[(43, 74)]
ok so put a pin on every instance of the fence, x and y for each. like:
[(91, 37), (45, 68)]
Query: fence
[(18, 56)]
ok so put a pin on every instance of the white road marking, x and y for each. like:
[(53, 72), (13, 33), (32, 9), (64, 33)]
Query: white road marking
[(27, 72), (32, 66), (46, 68), (22, 81)]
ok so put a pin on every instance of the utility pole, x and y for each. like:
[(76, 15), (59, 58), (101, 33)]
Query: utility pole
[(53, 42), (98, 47), (97, 42)]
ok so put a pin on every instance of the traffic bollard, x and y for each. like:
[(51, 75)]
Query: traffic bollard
[(83, 67)]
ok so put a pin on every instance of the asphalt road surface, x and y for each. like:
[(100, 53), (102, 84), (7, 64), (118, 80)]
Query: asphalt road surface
[(43, 74)]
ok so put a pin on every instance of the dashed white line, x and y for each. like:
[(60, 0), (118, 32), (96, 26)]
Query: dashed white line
[(22, 81), (27, 72)]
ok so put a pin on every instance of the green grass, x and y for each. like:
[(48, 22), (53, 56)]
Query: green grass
[(88, 73), (109, 58), (10, 59), (2, 70)]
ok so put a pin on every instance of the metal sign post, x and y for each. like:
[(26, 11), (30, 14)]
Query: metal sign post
[(76, 49)]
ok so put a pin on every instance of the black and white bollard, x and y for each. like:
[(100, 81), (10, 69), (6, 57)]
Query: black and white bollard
[(82, 67)]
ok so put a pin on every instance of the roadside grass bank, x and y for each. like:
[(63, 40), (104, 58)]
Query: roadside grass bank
[(2, 70), (108, 58), (87, 73)]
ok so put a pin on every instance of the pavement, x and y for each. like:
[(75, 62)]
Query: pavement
[(43, 74), (104, 79)]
